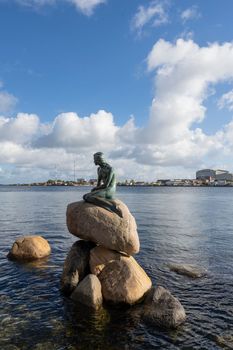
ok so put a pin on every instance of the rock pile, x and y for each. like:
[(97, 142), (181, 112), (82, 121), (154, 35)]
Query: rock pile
[(100, 267)]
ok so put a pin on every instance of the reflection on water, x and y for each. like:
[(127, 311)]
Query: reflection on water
[(176, 225)]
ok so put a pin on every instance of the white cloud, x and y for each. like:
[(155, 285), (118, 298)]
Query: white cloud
[(190, 13), (35, 3), (154, 14), (85, 6), (226, 101), (7, 101), (72, 132), (185, 73), (170, 144), (19, 130)]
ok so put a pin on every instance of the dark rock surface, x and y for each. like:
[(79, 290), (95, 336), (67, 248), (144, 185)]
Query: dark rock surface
[(76, 265), (162, 309)]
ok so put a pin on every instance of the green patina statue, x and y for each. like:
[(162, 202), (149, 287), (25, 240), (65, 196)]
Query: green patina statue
[(103, 194)]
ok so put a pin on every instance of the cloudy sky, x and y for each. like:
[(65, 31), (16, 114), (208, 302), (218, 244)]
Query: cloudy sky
[(149, 83)]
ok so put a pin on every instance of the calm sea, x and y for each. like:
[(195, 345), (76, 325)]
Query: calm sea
[(175, 225)]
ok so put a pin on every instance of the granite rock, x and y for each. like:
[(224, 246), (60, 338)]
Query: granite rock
[(100, 256), (28, 248), (162, 309), (76, 265), (188, 270), (88, 292), (92, 223), (124, 281)]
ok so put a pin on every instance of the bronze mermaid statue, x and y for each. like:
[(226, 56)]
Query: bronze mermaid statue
[(103, 194)]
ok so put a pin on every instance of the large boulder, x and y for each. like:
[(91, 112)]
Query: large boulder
[(93, 223), (124, 281), (76, 265), (88, 292), (100, 256), (29, 248), (162, 309)]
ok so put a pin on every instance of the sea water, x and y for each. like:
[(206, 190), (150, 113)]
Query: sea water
[(175, 225)]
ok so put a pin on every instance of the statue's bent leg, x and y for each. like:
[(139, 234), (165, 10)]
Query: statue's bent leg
[(102, 202)]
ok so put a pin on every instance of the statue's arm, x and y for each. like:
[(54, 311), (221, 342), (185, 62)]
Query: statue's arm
[(99, 178), (109, 179), (98, 185)]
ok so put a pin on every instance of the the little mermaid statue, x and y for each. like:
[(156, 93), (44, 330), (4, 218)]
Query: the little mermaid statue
[(103, 194)]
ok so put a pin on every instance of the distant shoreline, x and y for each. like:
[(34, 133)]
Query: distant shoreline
[(119, 185)]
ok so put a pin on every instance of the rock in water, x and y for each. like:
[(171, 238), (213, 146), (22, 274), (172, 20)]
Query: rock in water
[(88, 292), (28, 248), (100, 256), (76, 265), (124, 281), (163, 309), (188, 270), (93, 223)]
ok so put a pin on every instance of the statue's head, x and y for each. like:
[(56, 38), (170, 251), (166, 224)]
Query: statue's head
[(99, 158)]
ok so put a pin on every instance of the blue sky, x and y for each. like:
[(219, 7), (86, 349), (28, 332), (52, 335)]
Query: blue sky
[(79, 70)]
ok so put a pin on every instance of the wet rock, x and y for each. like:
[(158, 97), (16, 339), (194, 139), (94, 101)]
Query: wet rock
[(10, 347), (96, 224), (124, 281), (88, 292), (76, 265), (45, 345), (100, 256), (188, 270), (162, 309), (29, 248), (225, 341)]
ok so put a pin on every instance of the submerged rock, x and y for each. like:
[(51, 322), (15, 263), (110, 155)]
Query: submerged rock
[(76, 265), (124, 281), (188, 270), (225, 340), (100, 256), (163, 309), (28, 248), (96, 224), (88, 292)]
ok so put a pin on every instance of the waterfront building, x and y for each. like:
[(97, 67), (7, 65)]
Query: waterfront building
[(210, 174)]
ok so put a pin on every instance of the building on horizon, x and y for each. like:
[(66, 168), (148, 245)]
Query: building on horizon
[(210, 174)]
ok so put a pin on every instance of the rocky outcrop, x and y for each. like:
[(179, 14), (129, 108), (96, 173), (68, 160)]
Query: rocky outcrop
[(76, 265), (92, 223), (162, 309), (188, 270), (115, 275), (29, 248), (124, 281), (88, 292)]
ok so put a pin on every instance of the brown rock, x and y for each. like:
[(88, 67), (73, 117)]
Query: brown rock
[(188, 270), (100, 256), (163, 309), (76, 265), (96, 224), (88, 292), (124, 281), (29, 248)]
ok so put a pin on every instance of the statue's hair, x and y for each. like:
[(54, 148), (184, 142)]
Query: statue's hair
[(99, 155)]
